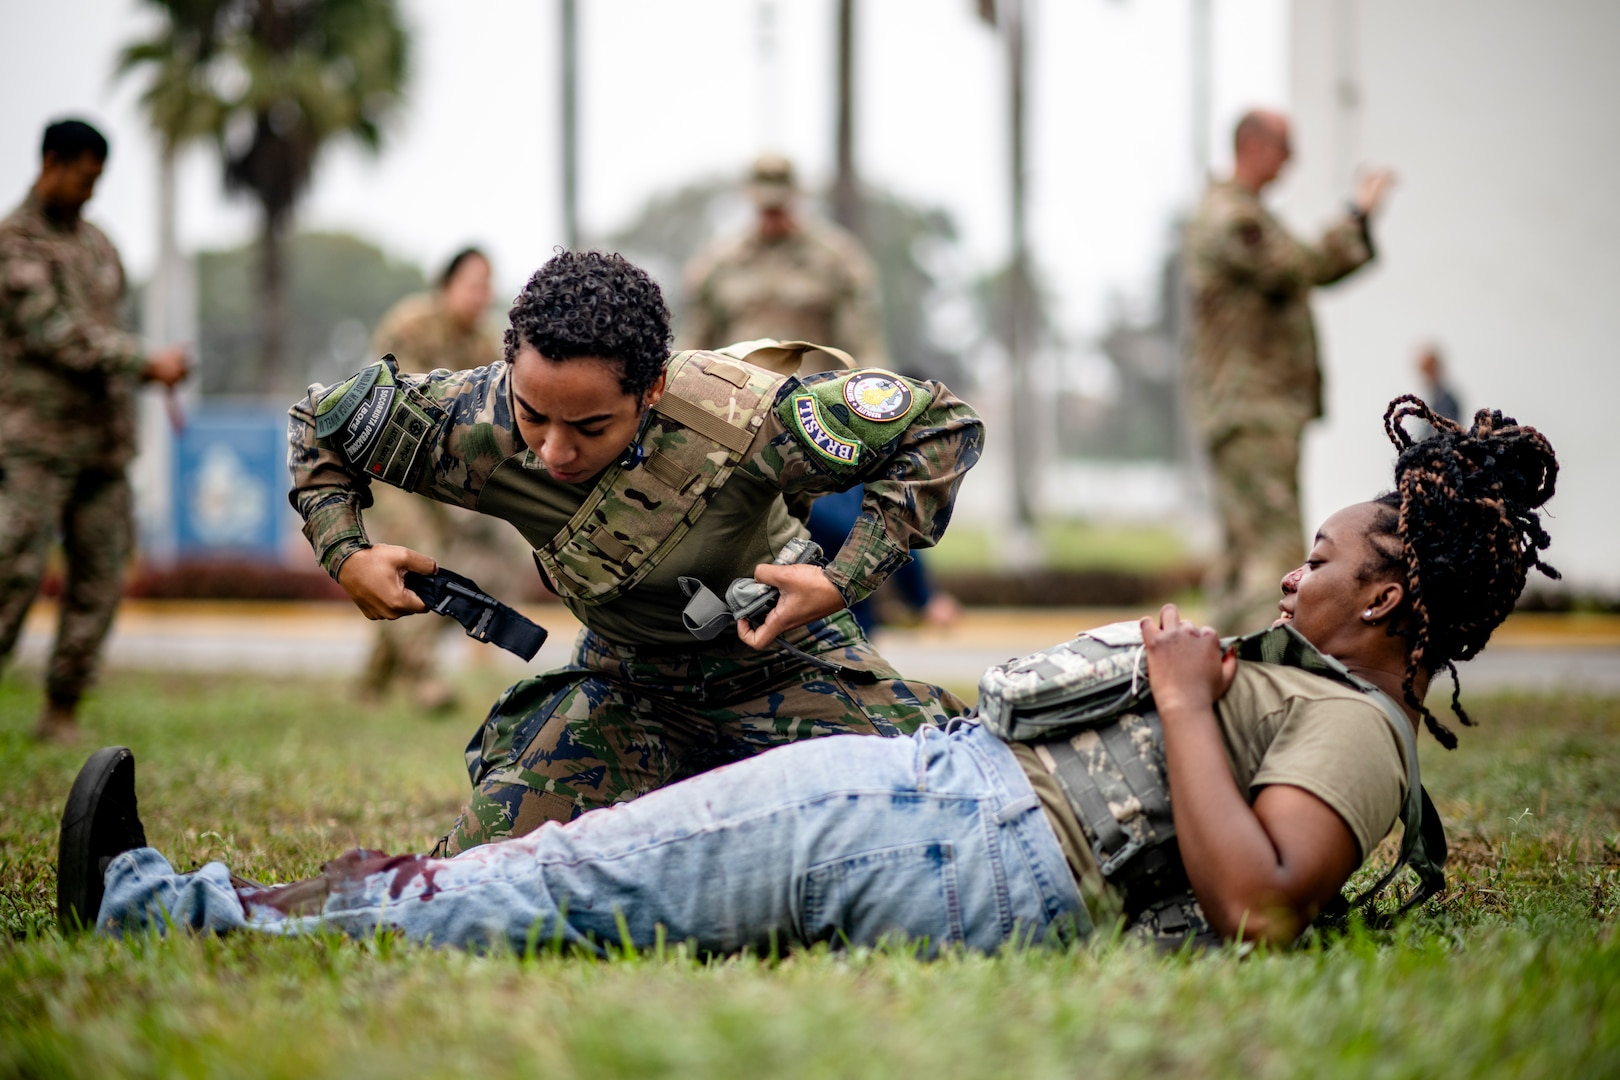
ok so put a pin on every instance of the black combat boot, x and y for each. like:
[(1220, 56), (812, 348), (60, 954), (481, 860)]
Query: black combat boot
[(99, 821)]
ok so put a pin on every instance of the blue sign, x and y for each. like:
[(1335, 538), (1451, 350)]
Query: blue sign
[(230, 482)]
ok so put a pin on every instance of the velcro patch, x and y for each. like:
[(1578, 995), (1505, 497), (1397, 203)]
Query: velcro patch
[(877, 396), (408, 425)]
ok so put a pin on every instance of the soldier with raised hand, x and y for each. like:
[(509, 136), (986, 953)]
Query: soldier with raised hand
[(627, 469), (441, 328), (790, 277), (67, 428), (1256, 379)]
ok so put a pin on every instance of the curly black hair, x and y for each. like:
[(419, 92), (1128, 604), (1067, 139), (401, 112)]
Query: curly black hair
[(1462, 529), (589, 303)]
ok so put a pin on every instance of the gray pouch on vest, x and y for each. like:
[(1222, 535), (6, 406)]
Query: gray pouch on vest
[(1095, 676), (706, 614)]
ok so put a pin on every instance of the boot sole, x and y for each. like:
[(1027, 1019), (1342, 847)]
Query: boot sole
[(92, 829)]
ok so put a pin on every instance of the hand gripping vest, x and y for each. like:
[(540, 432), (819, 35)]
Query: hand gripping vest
[(1087, 704), (699, 432)]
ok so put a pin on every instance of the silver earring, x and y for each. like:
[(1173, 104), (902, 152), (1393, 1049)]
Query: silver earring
[(1367, 614)]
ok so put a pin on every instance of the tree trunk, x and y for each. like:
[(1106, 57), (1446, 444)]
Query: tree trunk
[(570, 123), (846, 194), (1020, 329), (273, 374)]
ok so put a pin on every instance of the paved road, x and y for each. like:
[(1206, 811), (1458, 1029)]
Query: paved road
[(1531, 652)]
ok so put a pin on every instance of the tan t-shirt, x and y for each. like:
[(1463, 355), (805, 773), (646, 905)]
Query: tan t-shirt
[(1281, 725)]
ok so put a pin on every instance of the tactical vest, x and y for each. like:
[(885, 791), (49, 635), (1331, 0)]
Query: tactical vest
[(1088, 705), (696, 435)]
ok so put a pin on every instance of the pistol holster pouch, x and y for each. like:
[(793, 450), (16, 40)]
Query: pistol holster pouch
[(705, 614)]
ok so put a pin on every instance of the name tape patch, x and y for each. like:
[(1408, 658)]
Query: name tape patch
[(367, 422), (332, 412), (808, 414)]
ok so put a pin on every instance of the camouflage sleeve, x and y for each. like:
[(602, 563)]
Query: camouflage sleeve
[(473, 434), (910, 442), (1249, 246), (43, 317)]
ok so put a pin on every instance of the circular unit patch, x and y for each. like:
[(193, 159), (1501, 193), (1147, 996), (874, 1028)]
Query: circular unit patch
[(877, 395)]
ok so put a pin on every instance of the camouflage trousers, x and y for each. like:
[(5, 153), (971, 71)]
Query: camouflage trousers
[(91, 508), (1256, 489), (621, 721)]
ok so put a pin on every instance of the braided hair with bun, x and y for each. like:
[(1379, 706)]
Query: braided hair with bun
[(1462, 528)]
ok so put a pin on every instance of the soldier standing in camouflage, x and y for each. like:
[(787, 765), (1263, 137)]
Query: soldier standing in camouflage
[(1255, 378), (67, 430), (625, 469), (444, 328), (789, 277)]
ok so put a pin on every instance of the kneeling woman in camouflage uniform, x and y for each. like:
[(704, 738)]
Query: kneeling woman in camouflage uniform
[(1285, 773), (626, 469)]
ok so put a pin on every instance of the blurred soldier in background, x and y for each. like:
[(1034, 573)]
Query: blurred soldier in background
[(444, 328), (789, 277), (1437, 391), (794, 278), (67, 428), (1255, 378)]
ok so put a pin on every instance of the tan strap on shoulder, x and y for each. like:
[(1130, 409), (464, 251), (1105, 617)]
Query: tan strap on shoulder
[(782, 356)]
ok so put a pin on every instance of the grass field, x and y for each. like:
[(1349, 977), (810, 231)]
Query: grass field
[(1514, 972), (1069, 545)]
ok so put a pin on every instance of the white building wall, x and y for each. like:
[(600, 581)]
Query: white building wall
[(1501, 240)]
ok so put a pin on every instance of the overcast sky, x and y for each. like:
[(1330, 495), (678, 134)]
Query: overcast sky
[(673, 92)]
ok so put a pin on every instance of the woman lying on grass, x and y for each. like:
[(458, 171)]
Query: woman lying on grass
[(1283, 780)]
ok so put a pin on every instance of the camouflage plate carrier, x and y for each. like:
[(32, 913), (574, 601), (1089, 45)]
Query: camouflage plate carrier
[(696, 436), (1088, 702)]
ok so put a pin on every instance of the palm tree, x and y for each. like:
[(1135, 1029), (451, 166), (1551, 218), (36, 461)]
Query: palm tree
[(271, 83)]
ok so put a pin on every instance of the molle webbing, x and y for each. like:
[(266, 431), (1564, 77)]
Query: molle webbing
[(711, 412), (704, 423), (1113, 775)]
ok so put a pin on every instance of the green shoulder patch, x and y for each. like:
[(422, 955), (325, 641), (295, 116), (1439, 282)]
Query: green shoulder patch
[(339, 403), (843, 415)]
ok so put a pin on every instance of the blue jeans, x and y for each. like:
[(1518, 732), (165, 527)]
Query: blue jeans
[(936, 838)]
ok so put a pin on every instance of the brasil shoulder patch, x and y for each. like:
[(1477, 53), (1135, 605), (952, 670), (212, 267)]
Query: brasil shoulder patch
[(805, 416), (845, 415)]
